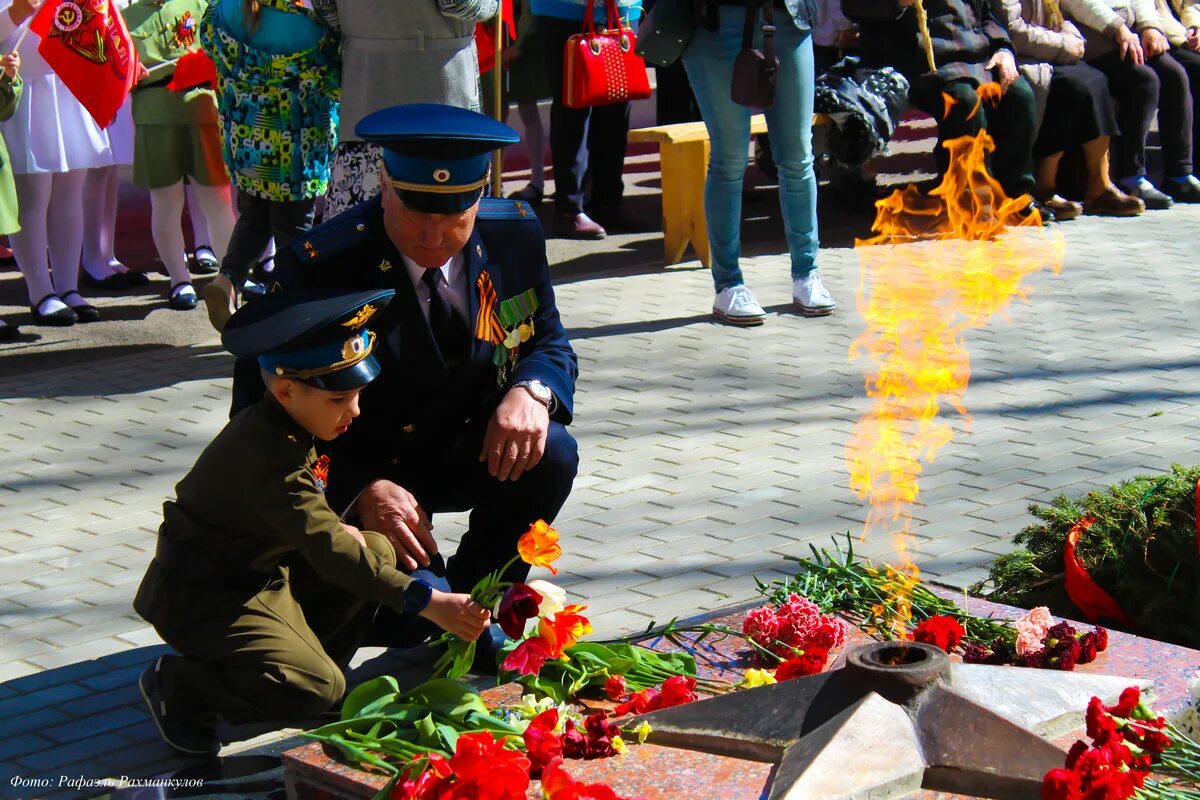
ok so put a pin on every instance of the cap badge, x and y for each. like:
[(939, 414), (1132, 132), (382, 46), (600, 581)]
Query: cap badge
[(353, 348), (441, 175), (385, 265), (360, 319)]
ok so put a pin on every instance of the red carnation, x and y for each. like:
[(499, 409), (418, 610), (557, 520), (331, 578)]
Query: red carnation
[(762, 625), (1101, 728), (480, 762), (1087, 648), (1061, 784), (518, 606), (614, 687), (810, 663), (1101, 639), (940, 631), (1129, 700), (678, 690)]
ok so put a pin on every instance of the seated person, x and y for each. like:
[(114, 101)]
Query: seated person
[(1180, 24), (1049, 49), (476, 377), (1144, 79), (262, 591), (971, 47)]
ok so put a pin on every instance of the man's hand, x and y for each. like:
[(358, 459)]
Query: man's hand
[(22, 10), (1193, 40), (356, 533), (516, 436), (1130, 46), (142, 74), (1006, 68), (458, 614), (393, 511), (11, 65), (1075, 47), (1154, 43)]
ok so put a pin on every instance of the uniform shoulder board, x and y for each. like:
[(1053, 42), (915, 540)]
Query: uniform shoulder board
[(335, 236), (501, 208)]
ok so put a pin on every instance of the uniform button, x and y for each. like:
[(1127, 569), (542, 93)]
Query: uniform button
[(467, 421), (360, 227), (409, 428), (395, 461)]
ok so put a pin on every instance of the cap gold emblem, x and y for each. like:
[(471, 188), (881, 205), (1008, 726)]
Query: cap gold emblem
[(353, 347), (360, 319)]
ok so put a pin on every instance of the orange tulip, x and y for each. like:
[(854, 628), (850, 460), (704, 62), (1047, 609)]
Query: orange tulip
[(564, 629), (539, 546)]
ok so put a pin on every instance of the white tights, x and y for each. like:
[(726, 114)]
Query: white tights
[(100, 191), (166, 223), (535, 142), (51, 216)]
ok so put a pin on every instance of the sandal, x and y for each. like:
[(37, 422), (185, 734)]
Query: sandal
[(182, 302), (62, 318), (85, 311)]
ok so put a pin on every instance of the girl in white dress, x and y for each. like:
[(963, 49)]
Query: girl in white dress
[(52, 142)]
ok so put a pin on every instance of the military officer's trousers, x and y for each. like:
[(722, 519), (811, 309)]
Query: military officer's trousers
[(279, 657)]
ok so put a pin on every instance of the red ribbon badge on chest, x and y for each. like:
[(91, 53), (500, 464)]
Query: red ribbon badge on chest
[(185, 31), (321, 473)]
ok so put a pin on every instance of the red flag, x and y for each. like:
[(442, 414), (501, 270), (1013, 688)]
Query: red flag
[(485, 45), (193, 68), (88, 45)]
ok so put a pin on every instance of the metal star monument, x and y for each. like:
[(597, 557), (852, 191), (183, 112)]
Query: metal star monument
[(896, 718)]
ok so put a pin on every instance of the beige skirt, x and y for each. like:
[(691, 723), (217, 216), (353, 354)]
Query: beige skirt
[(164, 155)]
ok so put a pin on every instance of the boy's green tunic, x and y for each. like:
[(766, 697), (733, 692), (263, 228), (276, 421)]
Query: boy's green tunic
[(255, 582)]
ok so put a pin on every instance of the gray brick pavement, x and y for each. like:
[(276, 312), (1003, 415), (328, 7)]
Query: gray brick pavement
[(708, 455)]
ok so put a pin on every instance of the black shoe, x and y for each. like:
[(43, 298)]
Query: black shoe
[(182, 302), (203, 261), (84, 310), (1187, 191), (111, 283), (530, 194), (617, 221), (9, 333), (253, 291), (191, 738), (137, 278), (1149, 194), (64, 317)]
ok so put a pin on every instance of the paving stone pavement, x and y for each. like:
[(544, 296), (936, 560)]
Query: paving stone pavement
[(709, 455)]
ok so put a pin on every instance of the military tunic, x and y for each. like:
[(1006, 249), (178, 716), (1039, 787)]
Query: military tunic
[(256, 583), (176, 133), (422, 424), (10, 95)]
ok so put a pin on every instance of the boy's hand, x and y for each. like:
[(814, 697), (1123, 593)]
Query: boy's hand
[(458, 614), (11, 64), (356, 533)]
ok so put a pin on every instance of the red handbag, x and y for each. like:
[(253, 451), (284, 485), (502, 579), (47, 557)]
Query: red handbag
[(600, 68)]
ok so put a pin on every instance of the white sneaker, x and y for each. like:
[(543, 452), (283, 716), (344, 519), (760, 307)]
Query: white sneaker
[(736, 305), (811, 297)]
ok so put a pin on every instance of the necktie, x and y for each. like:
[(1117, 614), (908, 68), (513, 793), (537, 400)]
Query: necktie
[(449, 330)]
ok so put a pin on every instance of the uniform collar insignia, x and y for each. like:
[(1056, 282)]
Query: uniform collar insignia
[(385, 265)]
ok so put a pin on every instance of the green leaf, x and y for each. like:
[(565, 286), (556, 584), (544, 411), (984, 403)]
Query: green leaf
[(361, 756), (384, 688)]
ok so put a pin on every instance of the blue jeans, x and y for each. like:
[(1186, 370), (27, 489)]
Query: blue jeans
[(709, 62)]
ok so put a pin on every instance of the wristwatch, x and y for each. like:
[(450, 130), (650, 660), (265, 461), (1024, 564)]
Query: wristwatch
[(416, 597), (538, 391)]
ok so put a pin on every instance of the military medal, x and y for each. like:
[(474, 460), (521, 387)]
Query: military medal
[(321, 473), (185, 31)]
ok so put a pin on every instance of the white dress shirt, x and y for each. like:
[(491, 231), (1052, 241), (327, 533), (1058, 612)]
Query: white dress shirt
[(452, 286)]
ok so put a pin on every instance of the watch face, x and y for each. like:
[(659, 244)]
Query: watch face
[(540, 389)]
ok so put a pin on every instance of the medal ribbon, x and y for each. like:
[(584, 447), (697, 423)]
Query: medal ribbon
[(515, 309), (487, 326)]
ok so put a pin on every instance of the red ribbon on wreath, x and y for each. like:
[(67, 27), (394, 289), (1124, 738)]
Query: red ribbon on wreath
[(1198, 515), (1084, 592)]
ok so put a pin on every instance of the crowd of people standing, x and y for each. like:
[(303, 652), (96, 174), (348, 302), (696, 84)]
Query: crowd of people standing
[(259, 155)]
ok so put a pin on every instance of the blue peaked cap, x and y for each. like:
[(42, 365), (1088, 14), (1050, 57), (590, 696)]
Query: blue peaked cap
[(436, 155), (321, 340)]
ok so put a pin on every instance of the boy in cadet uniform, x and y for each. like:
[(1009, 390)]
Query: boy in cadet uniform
[(477, 375), (257, 584)]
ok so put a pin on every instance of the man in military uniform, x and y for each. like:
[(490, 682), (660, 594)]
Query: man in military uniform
[(262, 591), (477, 376)]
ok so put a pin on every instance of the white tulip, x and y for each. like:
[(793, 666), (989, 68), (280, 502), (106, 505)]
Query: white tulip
[(554, 599)]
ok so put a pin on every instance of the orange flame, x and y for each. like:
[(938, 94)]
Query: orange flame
[(938, 266)]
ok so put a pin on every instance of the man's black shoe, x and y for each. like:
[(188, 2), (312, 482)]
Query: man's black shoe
[(187, 737), (1186, 191)]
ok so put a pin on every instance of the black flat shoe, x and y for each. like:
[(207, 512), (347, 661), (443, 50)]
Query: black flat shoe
[(137, 278), (203, 261), (62, 318), (530, 194), (9, 333), (186, 736), (110, 283), (84, 311), (182, 302)]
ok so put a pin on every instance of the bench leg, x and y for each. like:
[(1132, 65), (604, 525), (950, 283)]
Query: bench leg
[(683, 169)]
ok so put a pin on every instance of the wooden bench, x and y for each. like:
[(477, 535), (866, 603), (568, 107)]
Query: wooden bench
[(683, 151)]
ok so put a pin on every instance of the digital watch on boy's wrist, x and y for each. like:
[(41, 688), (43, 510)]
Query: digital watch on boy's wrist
[(416, 597)]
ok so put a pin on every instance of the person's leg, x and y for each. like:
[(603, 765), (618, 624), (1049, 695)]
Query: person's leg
[(66, 245), (1012, 126), (100, 198), (608, 135), (1184, 187), (30, 243), (250, 235), (291, 219), (568, 133), (166, 228), (501, 511), (709, 63), (213, 205), (1174, 115), (789, 121), (954, 117), (1135, 87), (1190, 61), (535, 143)]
